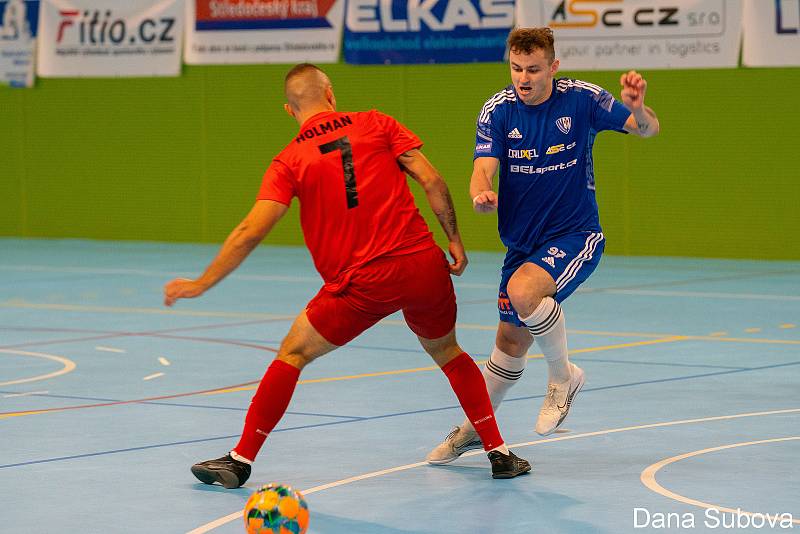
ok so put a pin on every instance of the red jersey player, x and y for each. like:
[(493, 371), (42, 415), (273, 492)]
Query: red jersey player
[(374, 251)]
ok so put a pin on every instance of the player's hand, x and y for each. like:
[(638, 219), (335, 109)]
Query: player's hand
[(633, 89), (459, 258), (182, 288), (485, 202)]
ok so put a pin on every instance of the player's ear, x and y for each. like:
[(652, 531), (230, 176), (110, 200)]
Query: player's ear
[(554, 67), (288, 109), (330, 97)]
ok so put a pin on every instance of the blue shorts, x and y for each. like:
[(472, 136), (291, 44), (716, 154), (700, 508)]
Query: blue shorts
[(569, 259)]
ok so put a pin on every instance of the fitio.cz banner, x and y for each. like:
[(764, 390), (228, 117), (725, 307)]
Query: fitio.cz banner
[(18, 22), (771, 33), (110, 38), (263, 31), (625, 34), (443, 31)]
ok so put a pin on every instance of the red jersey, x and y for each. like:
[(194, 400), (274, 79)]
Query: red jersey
[(355, 204)]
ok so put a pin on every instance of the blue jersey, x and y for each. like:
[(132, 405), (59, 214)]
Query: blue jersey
[(546, 173)]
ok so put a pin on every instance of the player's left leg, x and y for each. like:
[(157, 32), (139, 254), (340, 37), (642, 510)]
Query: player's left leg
[(548, 277), (429, 308), (302, 345), (469, 386)]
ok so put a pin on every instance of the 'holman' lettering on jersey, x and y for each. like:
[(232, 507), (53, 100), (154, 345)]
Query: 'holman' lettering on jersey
[(325, 127)]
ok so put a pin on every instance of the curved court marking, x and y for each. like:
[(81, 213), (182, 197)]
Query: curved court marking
[(238, 514), (68, 364), (648, 478)]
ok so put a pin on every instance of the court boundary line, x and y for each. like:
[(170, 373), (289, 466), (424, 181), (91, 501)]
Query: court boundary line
[(202, 529), (68, 364), (648, 477)]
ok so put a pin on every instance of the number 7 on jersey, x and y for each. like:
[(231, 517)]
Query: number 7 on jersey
[(343, 145)]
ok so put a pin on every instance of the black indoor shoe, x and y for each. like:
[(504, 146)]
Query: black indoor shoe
[(507, 466), (227, 471)]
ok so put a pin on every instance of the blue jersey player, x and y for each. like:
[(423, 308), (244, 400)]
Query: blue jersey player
[(539, 132)]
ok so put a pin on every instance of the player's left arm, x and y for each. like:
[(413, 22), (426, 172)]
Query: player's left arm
[(239, 244), (420, 169), (642, 121)]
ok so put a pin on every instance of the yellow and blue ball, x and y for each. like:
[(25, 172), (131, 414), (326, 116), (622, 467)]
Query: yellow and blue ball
[(276, 509)]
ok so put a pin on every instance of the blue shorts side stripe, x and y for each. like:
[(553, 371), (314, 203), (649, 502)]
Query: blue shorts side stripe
[(575, 265)]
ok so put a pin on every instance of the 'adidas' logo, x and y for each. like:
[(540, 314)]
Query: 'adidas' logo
[(514, 134), (549, 261)]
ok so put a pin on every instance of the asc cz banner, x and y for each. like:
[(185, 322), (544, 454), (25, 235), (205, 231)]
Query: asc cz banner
[(18, 22), (771, 33), (263, 31), (634, 34), (110, 38), (426, 31)]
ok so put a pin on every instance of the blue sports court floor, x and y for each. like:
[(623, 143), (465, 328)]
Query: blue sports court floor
[(691, 410)]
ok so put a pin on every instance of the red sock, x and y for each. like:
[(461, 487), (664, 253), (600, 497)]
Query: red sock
[(267, 407), (470, 388)]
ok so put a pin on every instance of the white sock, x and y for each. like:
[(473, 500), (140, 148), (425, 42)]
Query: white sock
[(547, 325), (240, 458), (501, 372), (501, 448)]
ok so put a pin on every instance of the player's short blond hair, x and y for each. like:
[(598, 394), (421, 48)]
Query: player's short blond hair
[(526, 40)]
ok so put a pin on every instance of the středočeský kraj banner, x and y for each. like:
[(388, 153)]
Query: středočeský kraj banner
[(18, 23), (263, 31), (635, 34), (97, 38)]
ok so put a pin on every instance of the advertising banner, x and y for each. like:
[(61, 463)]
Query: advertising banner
[(771, 33), (637, 34), (18, 23), (110, 38), (263, 31), (426, 31)]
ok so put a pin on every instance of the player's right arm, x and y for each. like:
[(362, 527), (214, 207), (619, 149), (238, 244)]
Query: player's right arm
[(420, 169), (484, 199), (239, 244)]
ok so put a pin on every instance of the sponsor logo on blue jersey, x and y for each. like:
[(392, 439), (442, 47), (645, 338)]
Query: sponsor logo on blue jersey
[(525, 153), (483, 147), (531, 169)]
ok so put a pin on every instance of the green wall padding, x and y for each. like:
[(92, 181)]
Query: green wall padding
[(181, 159)]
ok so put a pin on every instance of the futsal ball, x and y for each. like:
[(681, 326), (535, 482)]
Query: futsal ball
[(276, 509)]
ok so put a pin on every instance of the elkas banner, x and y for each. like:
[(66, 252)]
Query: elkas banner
[(263, 31), (110, 38), (18, 24), (426, 31), (771, 33), (636, 34)]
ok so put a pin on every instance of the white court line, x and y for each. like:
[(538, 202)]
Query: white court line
[(19, 303), (69, 365), (469, 285), (154, 375), (108, 349), (25, 394), (158, 274), (163, 361), (237, 515), (648, 478)]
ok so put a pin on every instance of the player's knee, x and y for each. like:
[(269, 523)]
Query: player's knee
[(523, 294)]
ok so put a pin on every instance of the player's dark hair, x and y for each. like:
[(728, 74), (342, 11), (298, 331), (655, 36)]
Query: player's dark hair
[(526, 40)]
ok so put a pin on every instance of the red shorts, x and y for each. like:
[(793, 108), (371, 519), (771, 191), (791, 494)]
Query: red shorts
[(417, 283)]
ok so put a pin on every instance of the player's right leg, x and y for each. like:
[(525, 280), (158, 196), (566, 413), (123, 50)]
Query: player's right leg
[(302, 345)]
